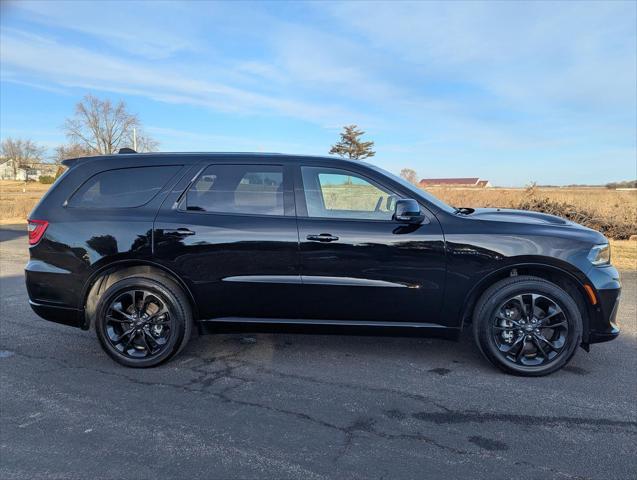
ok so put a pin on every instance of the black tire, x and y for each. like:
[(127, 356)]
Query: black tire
[(156, 336), (548, 318)]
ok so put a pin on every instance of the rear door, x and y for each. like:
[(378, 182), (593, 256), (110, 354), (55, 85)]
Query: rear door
[(357, 263), (233, 237)]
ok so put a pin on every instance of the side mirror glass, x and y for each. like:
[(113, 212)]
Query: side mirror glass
[(407, 210)]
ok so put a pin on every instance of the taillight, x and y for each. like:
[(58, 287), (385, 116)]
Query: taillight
[(36, 230)]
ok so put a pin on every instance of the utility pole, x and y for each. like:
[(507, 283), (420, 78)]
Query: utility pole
[(134, 139)]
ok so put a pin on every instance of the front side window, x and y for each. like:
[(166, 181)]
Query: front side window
[(246, 189), (123, 187), (334, 193)]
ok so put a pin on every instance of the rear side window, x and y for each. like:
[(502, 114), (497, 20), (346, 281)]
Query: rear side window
[(123, 187), (252, 189)]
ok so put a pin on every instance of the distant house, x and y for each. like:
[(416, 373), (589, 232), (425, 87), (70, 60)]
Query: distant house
[(8, 172), (474, 182), (30, 171)]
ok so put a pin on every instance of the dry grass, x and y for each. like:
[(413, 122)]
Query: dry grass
[(624, 254), (17, 199), (611, 204), (613, 212)]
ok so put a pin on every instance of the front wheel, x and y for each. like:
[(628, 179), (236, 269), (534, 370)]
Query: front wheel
[(143, 321), (527, 326)]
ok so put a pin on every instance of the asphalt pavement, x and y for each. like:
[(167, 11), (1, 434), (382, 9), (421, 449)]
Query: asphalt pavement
[(304, 406)]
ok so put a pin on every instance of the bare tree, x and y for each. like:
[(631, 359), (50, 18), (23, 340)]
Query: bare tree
[(351, 146), (103, 128), (22, 152), (72, 150), (145, 143), (410, 175)]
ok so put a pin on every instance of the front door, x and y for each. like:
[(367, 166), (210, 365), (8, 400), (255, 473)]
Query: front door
[(357, 263), (233, 237)]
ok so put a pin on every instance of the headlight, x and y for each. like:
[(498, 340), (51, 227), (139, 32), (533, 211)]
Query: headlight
[(600, 254)]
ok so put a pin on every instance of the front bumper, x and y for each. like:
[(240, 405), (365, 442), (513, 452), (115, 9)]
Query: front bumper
[(602, 324), (605, 328)]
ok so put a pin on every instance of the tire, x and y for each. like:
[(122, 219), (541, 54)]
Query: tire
[(527, 326), (156, 313)]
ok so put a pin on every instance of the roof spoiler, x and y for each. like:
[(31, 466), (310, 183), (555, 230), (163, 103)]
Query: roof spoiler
[(69, 162)]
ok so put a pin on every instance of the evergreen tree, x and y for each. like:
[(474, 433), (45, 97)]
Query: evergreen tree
[(351, 146)]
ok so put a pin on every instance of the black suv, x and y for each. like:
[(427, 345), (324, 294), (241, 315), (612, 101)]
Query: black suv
[(145, 246)]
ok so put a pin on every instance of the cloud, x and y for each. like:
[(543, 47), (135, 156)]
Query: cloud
[(529, 55), (139, 28), (74, 66)]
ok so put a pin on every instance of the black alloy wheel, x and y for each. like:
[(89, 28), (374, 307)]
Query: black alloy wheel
[(527, 325), (143, 321), (138, 324), (530, 329)]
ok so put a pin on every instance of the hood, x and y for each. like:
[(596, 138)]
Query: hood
[(518, 216), (537, 223)]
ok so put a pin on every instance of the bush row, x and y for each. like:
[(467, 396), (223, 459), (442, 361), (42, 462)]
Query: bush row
[(614, 229)]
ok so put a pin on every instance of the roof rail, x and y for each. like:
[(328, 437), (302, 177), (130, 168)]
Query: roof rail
[(126, 150)]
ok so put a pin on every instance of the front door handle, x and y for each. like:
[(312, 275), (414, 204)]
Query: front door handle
[(179, 231), (323, 237)]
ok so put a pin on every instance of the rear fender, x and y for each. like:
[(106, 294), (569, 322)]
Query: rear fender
[(109, 274)]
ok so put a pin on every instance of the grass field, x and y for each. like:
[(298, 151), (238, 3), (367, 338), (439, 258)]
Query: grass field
[(624, 254), (17, 199)]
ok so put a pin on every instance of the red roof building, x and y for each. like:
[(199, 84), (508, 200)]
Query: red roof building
[(454, 182)]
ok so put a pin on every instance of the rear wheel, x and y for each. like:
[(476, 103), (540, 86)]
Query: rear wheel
[(527, 326), (143, 321)]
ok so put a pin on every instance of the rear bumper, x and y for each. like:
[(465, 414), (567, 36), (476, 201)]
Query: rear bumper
[(53, 293), (58, 314)]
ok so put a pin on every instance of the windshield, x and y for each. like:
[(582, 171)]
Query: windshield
[(419, 192)]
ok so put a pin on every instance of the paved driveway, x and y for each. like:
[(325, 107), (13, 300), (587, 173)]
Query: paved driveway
[(303, 406)]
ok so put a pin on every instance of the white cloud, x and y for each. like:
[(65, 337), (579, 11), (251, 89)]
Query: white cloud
[(74, 66), (134, 27), (530, 55)]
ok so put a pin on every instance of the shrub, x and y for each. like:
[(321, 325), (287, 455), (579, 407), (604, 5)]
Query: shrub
[(47, 179), (612, 212), (611, 228), (624, 184)]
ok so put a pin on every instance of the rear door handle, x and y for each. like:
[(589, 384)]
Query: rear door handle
[(323, 237), (179, 231)]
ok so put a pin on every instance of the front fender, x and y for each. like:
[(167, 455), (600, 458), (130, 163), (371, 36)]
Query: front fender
[(464, 290)]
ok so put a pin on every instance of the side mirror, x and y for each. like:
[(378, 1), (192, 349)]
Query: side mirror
[(407, 210)]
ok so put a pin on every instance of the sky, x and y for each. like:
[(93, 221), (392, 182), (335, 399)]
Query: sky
[(512, 92)]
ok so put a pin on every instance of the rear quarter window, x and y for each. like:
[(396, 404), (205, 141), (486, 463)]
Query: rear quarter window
[(123, 187)]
